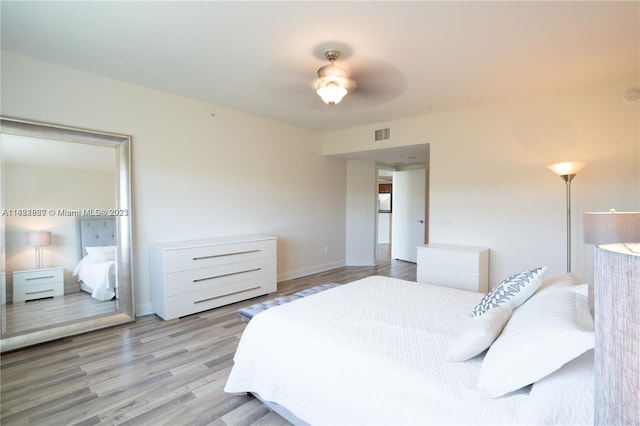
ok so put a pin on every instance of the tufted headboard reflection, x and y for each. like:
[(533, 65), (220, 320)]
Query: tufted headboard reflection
[(97, 231)]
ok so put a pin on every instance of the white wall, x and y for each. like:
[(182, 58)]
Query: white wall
[(489, 185), (196, 174), (362, 201)]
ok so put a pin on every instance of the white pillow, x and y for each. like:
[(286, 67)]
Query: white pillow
[(102, 253), (546, 332), (480, 334), (516, 289), (566, 394), (567, 278)]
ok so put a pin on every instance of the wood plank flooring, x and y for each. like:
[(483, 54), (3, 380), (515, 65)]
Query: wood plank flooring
[(38, 314), (150, 372)]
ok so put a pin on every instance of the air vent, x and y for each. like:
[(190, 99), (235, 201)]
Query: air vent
[(383, 134)]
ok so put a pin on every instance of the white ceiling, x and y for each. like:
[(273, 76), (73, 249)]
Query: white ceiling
[(396, 157), (408, 58)]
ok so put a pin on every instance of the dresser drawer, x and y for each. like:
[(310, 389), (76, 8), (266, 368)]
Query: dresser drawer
[(36, 291), (208, 256), (187, 304), (37, 277), (449, 259), (218, 276), (449, 278)]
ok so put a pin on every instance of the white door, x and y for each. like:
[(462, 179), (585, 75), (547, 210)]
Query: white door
[(408, 213)]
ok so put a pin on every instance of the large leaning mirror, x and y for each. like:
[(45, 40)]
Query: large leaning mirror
[(65, 232)]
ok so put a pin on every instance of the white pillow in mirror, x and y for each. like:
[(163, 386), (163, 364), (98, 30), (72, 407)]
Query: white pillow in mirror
[(101, 253), (480, 334)]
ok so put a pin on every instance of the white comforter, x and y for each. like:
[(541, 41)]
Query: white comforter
[(99, 276), (371, 353)]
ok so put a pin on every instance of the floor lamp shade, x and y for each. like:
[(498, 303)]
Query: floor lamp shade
[(617, 317), (566, 168), (38, 239)]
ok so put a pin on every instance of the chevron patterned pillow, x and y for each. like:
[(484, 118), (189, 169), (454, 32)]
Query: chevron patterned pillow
[(516, 288)]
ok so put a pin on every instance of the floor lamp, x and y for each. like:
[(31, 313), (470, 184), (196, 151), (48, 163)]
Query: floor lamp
[(617, 317), (567, 171)]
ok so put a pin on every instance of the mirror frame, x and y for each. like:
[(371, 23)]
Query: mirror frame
[(125, 304)]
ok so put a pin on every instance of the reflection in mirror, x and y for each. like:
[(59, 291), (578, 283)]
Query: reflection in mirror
[(66, 241)]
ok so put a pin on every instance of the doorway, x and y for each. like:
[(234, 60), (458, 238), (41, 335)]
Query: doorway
[(385, 212), (362, 197), (415, 197)]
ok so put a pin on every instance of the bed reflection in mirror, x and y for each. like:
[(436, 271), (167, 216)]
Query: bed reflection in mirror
[(63, 217)]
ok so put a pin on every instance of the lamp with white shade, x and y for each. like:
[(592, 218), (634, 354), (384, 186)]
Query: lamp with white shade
[(617, 315), (567, 171), (38, 239)]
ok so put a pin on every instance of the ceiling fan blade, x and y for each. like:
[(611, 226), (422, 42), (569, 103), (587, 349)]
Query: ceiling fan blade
[(378, 82), (290, 80)]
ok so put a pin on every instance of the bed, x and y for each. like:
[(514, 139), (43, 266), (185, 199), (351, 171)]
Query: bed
[(388, 351), (96, 271)]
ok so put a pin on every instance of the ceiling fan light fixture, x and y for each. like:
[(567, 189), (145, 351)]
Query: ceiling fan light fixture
[(333, 82), (331, 93)]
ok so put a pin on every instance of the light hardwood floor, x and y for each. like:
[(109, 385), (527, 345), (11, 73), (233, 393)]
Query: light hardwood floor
[(39, 314), (150, 372)]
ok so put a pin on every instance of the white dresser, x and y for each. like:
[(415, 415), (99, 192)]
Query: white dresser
[(37, 283), (456, 266), (197, 275)]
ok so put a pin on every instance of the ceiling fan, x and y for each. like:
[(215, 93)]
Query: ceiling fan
[(333, 82), (365, 81)]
